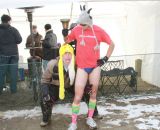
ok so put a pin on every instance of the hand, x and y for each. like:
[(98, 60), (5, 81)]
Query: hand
[(102, 61), (65, 32), (46, 98)]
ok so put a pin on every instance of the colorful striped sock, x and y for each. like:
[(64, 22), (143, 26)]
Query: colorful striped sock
[(91, 108), (75, 111)]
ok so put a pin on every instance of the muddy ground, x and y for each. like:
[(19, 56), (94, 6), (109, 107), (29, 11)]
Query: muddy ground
[(23, 99)]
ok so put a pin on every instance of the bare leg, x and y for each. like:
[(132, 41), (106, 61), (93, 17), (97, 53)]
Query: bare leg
[(94, 77), (86, 98), (81, 79)]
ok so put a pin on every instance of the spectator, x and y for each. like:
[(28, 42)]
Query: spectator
[(9, 38), (37, 42), (49, 45)]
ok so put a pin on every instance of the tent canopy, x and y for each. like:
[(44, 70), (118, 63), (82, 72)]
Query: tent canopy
[(25, 3), (133, 26)]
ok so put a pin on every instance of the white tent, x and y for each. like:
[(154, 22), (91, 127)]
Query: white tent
[(133, 25)]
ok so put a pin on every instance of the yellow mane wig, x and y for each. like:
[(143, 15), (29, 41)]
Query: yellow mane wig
[(65, 48)]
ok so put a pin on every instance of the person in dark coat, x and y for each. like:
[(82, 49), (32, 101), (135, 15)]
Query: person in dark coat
[(49, 45), (9, 38)]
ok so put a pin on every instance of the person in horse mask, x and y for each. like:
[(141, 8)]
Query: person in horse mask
[(88, 62)]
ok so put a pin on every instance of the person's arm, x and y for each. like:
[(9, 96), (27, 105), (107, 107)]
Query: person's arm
[(65, 36), (37, 39), (103, 60), (106, 38), (41, 39), (18, 38), (54, 39), (46, 41), (68, 38), (28, 41), (110, 49), (65, 40), (47, 75)]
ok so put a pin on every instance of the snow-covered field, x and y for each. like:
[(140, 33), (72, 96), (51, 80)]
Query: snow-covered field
[(141, 111)]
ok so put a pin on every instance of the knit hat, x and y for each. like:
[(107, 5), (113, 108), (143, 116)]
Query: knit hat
[(71, 69), (84, 17)]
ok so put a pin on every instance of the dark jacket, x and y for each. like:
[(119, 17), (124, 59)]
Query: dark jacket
[(37, 40), (9, 38), (49, 45)]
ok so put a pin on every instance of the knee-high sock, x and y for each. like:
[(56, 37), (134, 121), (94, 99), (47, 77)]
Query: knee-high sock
[(75, 111), (91, 108)]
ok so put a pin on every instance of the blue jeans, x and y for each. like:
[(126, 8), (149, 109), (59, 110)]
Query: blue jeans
[(44, 63), (9, 65)]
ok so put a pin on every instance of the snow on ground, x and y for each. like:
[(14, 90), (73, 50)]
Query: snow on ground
[(144, 116), (149, 123), (57, 109)]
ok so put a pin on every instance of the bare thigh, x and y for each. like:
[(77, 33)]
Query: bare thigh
[(94, 78), (80, 83)]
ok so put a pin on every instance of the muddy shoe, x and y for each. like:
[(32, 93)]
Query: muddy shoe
[(72, 126), (91, 123), (43, 124)]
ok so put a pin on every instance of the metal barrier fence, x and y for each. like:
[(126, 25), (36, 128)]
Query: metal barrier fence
[(28, 85)]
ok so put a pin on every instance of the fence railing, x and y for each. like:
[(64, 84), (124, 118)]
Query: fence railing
[(28, 76)]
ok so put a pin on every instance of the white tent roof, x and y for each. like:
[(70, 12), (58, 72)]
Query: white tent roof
[(133, 26), (25, 3)]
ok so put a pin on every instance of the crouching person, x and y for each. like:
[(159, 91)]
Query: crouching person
[(59, 73)]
